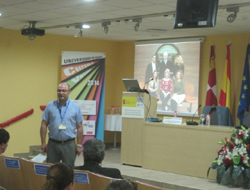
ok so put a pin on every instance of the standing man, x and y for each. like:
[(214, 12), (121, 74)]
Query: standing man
[(151, 67), (64, 119), (165, 64)]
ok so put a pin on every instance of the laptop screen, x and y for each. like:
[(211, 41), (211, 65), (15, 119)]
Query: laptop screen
[(131, 85)]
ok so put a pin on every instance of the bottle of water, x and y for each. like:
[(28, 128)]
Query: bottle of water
[(112, 110), (175, 113), (208, 120)]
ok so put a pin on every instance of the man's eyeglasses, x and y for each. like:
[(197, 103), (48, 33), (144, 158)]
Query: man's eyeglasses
[(62, 91)]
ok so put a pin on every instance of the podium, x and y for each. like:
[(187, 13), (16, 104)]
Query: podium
[(132, 127)]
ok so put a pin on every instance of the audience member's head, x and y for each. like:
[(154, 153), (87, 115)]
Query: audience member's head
[(4, 139), (122, 185), (60, 176), (93, 150)]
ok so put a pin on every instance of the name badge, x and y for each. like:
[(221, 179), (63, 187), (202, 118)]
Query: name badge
[(62, 126)]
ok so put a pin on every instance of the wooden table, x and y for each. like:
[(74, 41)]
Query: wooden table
[(181, 149)]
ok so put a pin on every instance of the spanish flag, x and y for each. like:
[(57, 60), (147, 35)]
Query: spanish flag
[(211, 99), (225, 94)]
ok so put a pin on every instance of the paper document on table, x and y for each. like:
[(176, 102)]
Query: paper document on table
[(172, 120), (40, 158)]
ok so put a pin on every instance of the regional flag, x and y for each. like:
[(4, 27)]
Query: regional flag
[(211, 99), (225, 94), (244, 101)]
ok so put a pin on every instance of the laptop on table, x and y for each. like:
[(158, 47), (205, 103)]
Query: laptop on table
[(131, 85)]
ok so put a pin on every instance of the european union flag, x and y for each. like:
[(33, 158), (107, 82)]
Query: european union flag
[(244, 101)]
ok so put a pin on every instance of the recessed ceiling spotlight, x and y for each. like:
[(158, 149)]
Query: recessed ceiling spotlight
[(0, 14), (85, 26)]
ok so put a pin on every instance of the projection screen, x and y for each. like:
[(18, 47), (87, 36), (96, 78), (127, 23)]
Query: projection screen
[(170, 72)]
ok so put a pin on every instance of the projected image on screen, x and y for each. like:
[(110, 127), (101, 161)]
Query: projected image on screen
[(170, 72)]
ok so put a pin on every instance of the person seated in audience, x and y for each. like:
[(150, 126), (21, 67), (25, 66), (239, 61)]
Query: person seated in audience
[(60, 176), (122, 185), (93, 155), (4, 140)]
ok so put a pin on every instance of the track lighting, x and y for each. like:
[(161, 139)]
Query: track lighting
[(85, 26), (138, 23), (81, 27), (231, 18), (79, 34), (105, 26)]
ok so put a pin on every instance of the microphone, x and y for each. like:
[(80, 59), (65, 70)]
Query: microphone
[(193, 122), (147, 82), (145, 90)]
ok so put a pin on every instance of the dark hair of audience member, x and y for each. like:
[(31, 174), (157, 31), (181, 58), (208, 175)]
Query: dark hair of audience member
[(4, 136), (93, 150), (4, 139), (122, 185), (59, 176)]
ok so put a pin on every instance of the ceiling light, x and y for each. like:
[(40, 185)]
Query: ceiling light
[(79, 34), (138, 23), (137, 26), (105, 29), (85, 26), (105, 26), (231, 18)]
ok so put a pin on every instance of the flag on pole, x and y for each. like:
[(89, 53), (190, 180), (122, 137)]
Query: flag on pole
[(211, 99), (244, 101), (225, 94)]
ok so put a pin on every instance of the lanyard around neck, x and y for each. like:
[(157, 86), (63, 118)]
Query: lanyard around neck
[(59, 110)]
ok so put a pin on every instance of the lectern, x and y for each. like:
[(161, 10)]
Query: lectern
[(132, 127)]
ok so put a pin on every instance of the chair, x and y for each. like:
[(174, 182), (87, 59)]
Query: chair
[(189, 91), (11, 173), (35, 173), (220, 115), (80, 182), (35, 179), (99, 182), (213, 116), (246, 119)]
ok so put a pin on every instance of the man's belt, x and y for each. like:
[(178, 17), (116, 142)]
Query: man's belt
[(61, 142)]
